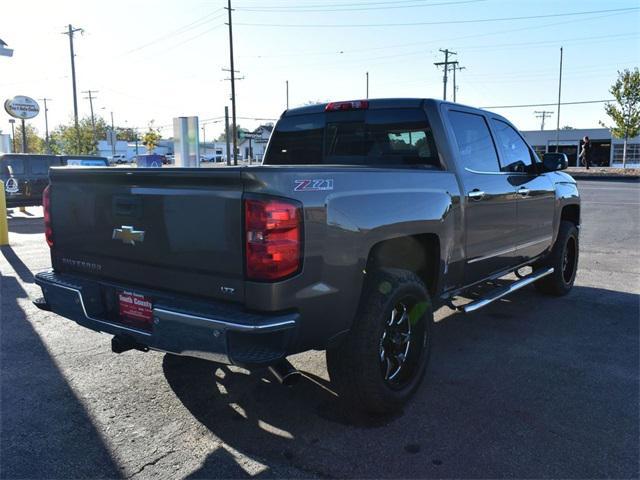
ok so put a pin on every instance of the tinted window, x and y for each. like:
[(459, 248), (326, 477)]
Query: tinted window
[(389, 137), (516, 156), (477, 151), (39, 166), (12, 166), (297, 141)]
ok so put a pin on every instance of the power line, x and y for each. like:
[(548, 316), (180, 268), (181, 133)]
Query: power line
[(337, 4), (307, 9), (441, 22), (549, 104), (184, 29)]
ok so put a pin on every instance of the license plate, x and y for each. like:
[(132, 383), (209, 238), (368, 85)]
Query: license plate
[(135, 309)]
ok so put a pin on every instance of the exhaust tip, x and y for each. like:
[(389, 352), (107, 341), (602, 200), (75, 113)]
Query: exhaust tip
[(285, 373)]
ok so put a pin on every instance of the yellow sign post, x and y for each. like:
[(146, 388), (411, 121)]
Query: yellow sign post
[(4, 228)]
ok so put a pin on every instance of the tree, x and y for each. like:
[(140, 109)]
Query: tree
[(64, 138), (127, 134), (151, 137), (625, 112), (35, 144)]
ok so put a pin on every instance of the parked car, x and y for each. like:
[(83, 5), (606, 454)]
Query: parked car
[(25, 176), (118, 159), (364, 217), (83, 161), (151, 160)]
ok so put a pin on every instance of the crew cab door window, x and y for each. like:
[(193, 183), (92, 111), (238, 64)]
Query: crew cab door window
[(516, 156), (490, 203), (475, 146)]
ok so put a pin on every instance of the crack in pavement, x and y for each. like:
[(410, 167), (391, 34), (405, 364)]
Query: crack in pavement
[(152, 462)]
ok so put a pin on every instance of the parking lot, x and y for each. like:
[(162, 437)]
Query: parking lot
[(531, 386)]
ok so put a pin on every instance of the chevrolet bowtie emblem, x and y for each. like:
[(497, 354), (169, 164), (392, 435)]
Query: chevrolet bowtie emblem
[(128, 235)]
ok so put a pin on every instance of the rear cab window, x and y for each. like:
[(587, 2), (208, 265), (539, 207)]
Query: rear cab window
[(39, 166), (390, 137)]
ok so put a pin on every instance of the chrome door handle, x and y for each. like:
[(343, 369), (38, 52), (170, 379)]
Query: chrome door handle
[(524, 192), (476, 194)]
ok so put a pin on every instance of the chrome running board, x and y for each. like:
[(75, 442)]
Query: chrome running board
[(501, 292)]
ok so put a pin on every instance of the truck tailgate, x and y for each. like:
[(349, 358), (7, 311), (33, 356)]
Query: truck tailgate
[(173, 229)]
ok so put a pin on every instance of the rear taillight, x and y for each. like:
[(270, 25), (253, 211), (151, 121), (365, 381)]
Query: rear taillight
[(350, 105), (273, 229), (46, 206)]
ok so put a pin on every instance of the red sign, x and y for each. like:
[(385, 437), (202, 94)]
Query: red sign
[(135, 306)]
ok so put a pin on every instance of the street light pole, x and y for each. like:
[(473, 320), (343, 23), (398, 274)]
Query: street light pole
[(24, 137), (13, 133), (367, 85), (113, 138), (46, 124)]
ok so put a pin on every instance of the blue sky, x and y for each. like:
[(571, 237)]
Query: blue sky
[(160, 59)]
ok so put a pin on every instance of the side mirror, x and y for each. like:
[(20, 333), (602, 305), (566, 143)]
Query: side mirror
[(553, 162)]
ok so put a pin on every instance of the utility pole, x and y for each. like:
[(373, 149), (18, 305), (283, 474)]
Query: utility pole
[(93, 119), (70, 32), (113, 138), (46, 124), (543, 114), (226, 134), (367, 85), (455, 67), (445, 68), (233, 88), (559, 97), (287, 94), (12, 121)]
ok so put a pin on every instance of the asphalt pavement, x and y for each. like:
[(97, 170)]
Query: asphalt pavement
[(531, 386)]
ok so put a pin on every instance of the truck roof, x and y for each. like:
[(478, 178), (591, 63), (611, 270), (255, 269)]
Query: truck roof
[(380, 103)]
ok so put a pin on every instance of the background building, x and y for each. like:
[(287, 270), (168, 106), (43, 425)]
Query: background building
[(606, 151)]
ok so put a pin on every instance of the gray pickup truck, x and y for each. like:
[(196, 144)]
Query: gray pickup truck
[(363, 218)]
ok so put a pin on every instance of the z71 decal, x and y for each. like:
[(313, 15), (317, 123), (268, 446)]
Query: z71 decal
[(313, 185)]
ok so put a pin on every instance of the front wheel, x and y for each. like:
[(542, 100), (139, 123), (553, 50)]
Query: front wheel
[(564, 260), (382, 360)]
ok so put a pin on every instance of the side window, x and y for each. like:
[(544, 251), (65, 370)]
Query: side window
[(477, 151), (13, 166), (516, 156)]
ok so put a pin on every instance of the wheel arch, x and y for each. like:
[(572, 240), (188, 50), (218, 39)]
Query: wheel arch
[(418, 253)]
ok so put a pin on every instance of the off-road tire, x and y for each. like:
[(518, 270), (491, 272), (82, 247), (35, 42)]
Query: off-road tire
[(566, 249), (356, 367)]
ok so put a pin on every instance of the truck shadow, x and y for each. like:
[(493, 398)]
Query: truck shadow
[(45, 430), (26, 226), (520, 376), (25, 274)]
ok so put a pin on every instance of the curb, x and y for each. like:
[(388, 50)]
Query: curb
[(633, 178)]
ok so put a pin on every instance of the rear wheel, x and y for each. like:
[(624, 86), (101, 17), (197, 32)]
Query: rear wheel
[(383, 358), (564, 260)]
